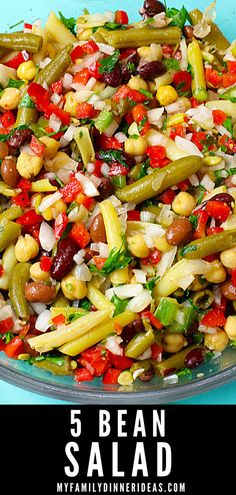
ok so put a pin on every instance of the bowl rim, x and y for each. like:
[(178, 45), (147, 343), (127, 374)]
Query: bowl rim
[(158, 396)]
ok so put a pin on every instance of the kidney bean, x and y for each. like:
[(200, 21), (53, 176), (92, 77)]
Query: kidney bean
[(97, 229), (4, 150), (9, 171), (188, 32), (20, 137), (178, 232), (223, 198), (126, 74), (63, 261), (153, 7), (113, 78), (106, 188), (150, 70), (27, 348), (130, 330), (194, 358), (146, 376), (229, 290), (39, 292)]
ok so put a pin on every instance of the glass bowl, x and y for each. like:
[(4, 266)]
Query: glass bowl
[(217, 372)]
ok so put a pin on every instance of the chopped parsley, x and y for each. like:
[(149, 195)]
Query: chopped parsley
[(228, 125), (150, 284), (107, 64), (201, 194), (120, 304), (171, 63), (85, 304), (178, 17), (146, 93), (187, 249), (113, 156), (113, 26), (74, 316), (26, 102), (13, 83), (143, 169), (185, 372), (116, 260), (194, 221), (17, 24), (69, 23), (6, 137)]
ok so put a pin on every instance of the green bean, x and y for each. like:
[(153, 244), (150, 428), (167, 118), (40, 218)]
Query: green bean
[(9, 232), (11, 213), (26, 116), (139, 344), (203, 299), (53, 71), (215, 38), (159, 180), (175, 362), (62, 366), (134, 38), (3, 52), (197, 67), (18, 278), (32, 43), (144, 364), (212, 244)]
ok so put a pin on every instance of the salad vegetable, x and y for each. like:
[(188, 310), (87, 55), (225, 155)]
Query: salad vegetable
[(117, 193)]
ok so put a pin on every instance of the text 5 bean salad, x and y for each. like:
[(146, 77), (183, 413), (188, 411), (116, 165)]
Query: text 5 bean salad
[(117, 192)]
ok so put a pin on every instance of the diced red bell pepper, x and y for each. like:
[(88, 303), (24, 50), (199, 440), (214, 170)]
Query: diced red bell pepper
[(228, 142), (213, 77), (153, 258), (219, 117), (21, 199), (177, 130), (94, 70), (84, 111), (98, 357), (76, 53), (233, 276), (59, 320), (80, 235), (8, 119), (214, 230), (27, 25), (90, 47), (133, 215), (14, 347), (126, 52), (182, 81), (29, 218), (121, 362), (214, 318), (99, 262), (156, 152), (6, 325), (156, 350), (1, 270), (184, 185), (97, 168), (167, 50), (125, 92), (218, 210), (14, 62), (57, 87), (153, 320), (83, 375), (194, 102), (210, 258), (25, 185), (228, 79), (231, 66), (82, 77), (61, 223), (37, 146), (117, 169), (70, 191), (111, 376), (107, 143), (201, 224), (39, 95), (139, 114), (121, 17), (59, 112), (45, 263), (167, 197), (197, 139)]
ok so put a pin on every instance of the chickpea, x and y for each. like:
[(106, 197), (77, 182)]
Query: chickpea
[(26, 248), (37, 274), (136, 147), (138, 246), (59, 161), (216, 274), (29, 165), (216, 341), (137, 83), (228, 258), (26, 71), (166, 95), (163, 80), (10, 98), (162, 244), (183, 204), (150, 53), (174, 342), (230, 327), (52, 146), (72, 288), (53, 211)]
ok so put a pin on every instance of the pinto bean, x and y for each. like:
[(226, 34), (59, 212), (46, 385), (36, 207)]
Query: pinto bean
[(20, 137), (9, 171), (229, 290), (97, 229), (39, 292), (179, 231), (4, 150)]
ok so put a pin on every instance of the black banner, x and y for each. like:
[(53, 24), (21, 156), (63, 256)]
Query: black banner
[(88, 449)]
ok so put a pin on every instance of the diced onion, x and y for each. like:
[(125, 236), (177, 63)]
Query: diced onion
[(82, 272), (207, 183), (188, 146), (125, 291), (121, 137), (155, 115), (166, 261), (91, 83), (46, 237), (49, 201), (103, 249), (43, 63), (88, 186), (105, 169), (67, 80), (68, 136), (43, 321), (193, 179), (147, 216), (87, 61), (90, 168), (140, 302), (107, 49), (79, 257), (145, 355), (113, 345), (205, 329), (96, 180), (54, 122), (38, 307), (140, 276), (111, 129)]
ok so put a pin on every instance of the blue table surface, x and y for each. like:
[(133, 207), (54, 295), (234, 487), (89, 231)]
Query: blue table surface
[(30, 11)]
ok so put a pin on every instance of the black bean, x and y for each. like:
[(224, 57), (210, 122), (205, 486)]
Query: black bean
[(113, 78), (153, 7), (150, 70), (223, 198)]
